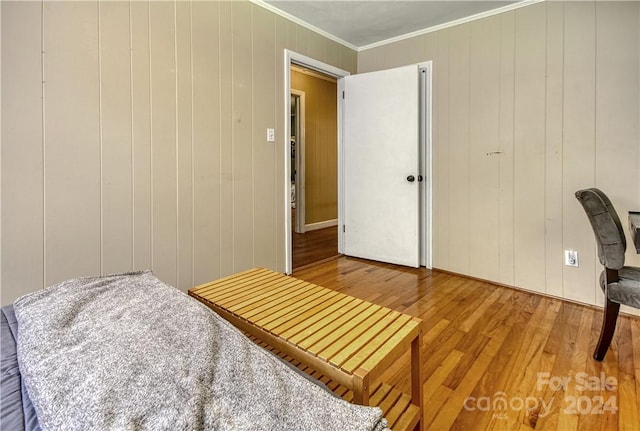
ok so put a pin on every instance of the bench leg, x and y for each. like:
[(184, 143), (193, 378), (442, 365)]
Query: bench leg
[(416, 375), (361, 387)]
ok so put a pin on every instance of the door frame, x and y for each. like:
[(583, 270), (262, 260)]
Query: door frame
[(425, 70), (426, 154), (292, 57), (300, 162)]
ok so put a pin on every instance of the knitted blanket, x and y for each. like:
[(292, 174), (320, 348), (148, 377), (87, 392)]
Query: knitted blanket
[(129, 352)]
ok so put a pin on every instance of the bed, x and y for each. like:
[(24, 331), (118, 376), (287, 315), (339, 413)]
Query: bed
[(127, 351), (17, 412)]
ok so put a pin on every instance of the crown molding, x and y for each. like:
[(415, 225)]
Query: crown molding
[(449, 24), (453, 23), (302, 23)]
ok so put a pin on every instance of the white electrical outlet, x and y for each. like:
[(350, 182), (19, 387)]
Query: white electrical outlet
[(571, 257), (271, 135)]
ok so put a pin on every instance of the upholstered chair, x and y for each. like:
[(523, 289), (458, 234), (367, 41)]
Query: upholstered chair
[(621, 284)]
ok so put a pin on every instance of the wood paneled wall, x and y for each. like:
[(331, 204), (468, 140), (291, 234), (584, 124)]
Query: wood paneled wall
[(134, 137), (528, 107), (321, 146)]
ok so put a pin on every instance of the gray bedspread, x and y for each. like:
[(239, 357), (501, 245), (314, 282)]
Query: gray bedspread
[(129, 352)]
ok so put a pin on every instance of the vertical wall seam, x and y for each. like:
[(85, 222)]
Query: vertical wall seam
[(469, 158), (449, 171), (595, 92), (132, 146), (220, 116), (100, 141), (233, 159), (275, 151), (513, 149), (177, 138), (219, 142), (193, 182), (546, 139), (563, 135), (500, 161), (253, 142), (44, 146), (151, 164), (274, 161), (595, 123), (562, 139)]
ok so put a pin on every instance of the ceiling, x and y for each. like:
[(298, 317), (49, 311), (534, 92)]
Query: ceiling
[(362, 24)]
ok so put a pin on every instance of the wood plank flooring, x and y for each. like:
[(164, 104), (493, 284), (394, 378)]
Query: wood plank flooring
[(497, 358), (314, 246)]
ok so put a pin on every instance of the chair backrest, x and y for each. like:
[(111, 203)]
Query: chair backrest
[(606, 227)]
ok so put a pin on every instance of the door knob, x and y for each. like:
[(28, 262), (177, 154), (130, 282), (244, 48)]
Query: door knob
[(411, 178)]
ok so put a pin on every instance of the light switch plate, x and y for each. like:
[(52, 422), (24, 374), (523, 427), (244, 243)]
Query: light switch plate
[(271, 135), (571, 257)]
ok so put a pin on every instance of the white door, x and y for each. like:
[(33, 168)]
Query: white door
[(381, 166)]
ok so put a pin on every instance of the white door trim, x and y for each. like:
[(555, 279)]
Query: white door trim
[(426, 146), (291, 57)]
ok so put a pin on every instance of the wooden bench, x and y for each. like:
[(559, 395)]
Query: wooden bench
[(346, 339)]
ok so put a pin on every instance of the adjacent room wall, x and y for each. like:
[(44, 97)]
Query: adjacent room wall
[(134, 137), (529, 106), (321, 146)]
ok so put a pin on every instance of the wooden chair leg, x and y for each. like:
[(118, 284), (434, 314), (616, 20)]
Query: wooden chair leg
[(609, 319)]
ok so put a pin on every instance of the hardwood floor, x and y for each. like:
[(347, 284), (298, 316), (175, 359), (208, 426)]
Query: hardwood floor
[(501, 359), (314, 246)]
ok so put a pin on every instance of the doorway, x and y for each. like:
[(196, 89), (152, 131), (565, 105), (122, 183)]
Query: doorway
[(292, 58), (314, 166)]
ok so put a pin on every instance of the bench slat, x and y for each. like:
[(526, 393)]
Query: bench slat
[(249, 308), (333, 328), (312, 322), (233, 280), (379, 393), (393, 412), (246, 299), (345, 343), (390, 400), (221, 292), (377, 358), (304, 302), (376, 345), (290, 327), (363, 346)]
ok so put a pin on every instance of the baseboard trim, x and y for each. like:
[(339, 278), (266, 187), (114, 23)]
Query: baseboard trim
[(495, 283), (321, 225)]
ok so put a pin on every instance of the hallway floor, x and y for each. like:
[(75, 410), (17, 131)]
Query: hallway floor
[(314, 246)]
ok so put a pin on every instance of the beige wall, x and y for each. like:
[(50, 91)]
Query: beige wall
[(554, 88), (137, 139), (144, 146), (321, 146)]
